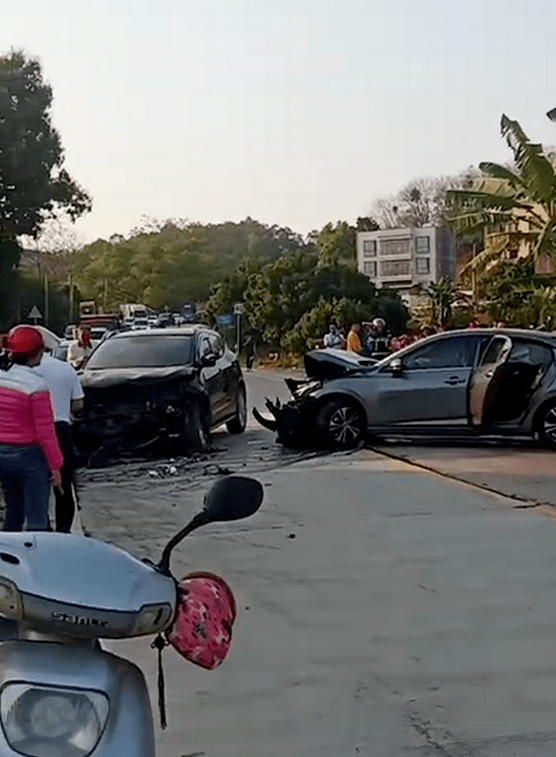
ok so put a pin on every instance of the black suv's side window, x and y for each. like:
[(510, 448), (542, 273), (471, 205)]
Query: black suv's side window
[(216, 343), (456, 352), (205, 347)]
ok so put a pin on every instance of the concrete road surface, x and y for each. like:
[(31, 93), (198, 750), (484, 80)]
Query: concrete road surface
[(383, 611)]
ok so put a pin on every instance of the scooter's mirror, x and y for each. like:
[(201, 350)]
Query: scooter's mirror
[(233, 498)]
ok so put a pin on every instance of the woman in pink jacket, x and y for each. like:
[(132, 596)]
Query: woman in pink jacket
[(28, 444)]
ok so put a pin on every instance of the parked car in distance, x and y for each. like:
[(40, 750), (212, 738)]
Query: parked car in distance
[(499, 382), (61, 351), (140, 324), (170, 385), (97, 333)]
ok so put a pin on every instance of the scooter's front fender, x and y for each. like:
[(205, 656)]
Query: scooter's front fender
[(129, 726)]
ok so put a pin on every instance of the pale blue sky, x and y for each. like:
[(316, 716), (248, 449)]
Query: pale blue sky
[(296, 112)]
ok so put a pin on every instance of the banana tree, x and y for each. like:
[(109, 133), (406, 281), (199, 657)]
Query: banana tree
[(441, 297), (523, 199)]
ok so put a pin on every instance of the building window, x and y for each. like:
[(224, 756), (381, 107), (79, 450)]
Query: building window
[(369, 248), (422, 245), (399, 246), (370, 268), (423, 265), (394, 267)]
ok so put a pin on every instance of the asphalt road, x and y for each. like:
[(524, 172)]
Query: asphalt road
[(385, 609)]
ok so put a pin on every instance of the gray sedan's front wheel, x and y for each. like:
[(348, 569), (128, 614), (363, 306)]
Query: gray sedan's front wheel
[(547, 424), (342, 423)]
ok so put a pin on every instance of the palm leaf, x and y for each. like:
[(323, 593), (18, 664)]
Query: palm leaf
[(536, 171), (483, 258), (497, 171), (465, 198)]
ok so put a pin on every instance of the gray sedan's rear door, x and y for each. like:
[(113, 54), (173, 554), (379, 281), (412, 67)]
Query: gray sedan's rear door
[(487, 377), (431, 388)]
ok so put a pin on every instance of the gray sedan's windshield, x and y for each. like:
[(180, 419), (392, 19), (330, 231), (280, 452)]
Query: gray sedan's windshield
[(143, 352)]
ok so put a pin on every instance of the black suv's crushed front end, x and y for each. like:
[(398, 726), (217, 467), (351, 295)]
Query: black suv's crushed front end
[(134, 408)]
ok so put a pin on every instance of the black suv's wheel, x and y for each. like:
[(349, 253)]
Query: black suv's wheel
[(195, 435), (342, 423), (546, 424), (238, 423)]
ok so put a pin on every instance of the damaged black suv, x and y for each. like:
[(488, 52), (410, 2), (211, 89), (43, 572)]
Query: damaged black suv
[(172, 387)]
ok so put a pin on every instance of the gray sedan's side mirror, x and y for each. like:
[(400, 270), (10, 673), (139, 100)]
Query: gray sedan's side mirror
[(395, 366)]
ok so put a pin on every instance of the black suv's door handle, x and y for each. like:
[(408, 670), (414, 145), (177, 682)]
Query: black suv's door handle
[(454, 380)]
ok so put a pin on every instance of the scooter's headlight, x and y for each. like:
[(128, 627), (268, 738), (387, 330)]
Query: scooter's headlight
[(10, 600), (56, 721)]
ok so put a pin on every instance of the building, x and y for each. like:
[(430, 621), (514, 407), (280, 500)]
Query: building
[(400, 259)]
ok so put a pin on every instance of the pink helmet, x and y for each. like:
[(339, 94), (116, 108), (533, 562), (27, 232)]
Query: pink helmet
[(202, 627)]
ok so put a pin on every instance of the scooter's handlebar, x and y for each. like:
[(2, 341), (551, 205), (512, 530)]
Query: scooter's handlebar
[(77, 586)]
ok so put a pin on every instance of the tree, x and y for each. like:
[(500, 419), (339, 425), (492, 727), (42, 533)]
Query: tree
[(289, 300), (419, 203), (520, 203), (441, 296), (366, 223), (336, 243), (513, 293), (172, 262), (34, 185)]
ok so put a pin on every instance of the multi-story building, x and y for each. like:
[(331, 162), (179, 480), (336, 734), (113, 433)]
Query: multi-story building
[(400, 259)]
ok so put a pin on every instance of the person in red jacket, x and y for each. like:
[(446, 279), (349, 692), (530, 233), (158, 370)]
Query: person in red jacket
[(29, 450)]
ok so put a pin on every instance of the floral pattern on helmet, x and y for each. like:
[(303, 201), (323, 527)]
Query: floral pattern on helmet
[(202, 627)]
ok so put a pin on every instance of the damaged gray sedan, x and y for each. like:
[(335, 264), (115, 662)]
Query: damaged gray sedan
[(168, 388), (497, 382)]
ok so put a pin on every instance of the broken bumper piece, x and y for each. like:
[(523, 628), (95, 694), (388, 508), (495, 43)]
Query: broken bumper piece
[(287, 421)]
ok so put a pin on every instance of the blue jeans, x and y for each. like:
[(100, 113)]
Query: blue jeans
[(25, 481)]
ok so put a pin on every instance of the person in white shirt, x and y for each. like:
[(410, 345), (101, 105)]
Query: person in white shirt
[(67, 399), (80, 349), (333, 337)]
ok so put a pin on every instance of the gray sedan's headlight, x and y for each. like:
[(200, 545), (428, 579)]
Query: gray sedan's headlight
[(304, 391), (56, 721)]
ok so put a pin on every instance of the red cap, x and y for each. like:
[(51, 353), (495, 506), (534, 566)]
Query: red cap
[(23, 340)]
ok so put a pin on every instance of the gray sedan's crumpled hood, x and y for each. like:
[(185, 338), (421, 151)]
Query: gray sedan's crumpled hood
[(104, 378), (330, 364)]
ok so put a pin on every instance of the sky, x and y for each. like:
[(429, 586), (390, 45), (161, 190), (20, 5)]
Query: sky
[(293, 112)]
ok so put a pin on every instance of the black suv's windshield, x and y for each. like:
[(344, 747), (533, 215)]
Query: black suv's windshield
[(158, 351)]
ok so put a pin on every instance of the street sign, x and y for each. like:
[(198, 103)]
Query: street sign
[(238, 308), (35, 314), (225, 321)]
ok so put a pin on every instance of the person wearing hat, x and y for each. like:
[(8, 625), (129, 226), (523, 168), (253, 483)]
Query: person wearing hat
[(80, 348), (29, 451)]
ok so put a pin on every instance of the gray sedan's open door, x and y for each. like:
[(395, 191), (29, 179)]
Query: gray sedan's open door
[(487, 376)]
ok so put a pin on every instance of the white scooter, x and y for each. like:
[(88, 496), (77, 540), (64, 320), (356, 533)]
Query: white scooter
[(61, 694)]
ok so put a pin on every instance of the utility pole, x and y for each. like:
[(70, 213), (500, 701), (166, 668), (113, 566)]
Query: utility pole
[(238, 311), (70, 291), (46, 300), (473, 275)]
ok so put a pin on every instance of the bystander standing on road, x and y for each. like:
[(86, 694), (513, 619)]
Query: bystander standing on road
[(353, 342), (80, 349), (67, 400), (28, 444), (333, 338)]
